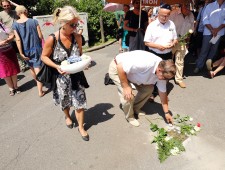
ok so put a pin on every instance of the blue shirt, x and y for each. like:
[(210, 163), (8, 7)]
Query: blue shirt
[(215, 16)]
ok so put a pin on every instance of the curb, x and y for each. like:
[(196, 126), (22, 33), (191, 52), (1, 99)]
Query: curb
[(99, 46)]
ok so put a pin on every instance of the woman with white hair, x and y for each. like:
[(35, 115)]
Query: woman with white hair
[(28, 39), (69, 90)]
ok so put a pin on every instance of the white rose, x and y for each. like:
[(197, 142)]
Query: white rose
[(190, 31), (191, 119), (192, 132), (174, 151), (197, 129), (168, 138)]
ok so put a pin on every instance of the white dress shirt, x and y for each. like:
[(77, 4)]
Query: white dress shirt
[(140, 67), (215, 16), (159, 33), (183, 24)]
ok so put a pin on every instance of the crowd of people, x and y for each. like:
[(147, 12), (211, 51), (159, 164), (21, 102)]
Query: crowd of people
[(167, 38)]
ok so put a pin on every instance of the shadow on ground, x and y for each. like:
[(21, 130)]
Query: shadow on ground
[(94, 115), (28, 85)]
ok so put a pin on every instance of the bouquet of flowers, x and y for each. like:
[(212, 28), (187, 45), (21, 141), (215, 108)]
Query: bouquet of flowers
[(75, 64), (182, 39), (169, 141)]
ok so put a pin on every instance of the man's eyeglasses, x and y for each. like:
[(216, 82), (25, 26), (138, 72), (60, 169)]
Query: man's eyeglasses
[(4, 6), (74, 25)]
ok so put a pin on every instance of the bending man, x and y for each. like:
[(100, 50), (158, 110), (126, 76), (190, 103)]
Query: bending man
[(143, 69)]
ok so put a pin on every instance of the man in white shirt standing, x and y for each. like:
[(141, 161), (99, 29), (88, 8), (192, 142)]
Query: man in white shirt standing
[(143, 69), (160, 36), (214, 21), (184, 21)]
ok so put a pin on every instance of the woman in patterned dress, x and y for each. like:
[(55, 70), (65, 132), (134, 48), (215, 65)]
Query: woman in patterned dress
[(69, 89)]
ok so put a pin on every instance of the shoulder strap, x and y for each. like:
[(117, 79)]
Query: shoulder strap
[(2, 26), (54, 40)]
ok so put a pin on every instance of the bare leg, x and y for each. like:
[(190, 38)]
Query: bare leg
[(9, 82), (120, 45), (34, 72), (14, 80), (67, 115), (80, 120), (218, 62), (221, 65)]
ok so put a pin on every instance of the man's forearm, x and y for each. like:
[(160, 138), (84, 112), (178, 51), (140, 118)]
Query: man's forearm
[(164, 101), (122, 76)]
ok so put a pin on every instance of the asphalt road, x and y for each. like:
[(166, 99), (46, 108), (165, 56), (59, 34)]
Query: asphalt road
[(33, 134)]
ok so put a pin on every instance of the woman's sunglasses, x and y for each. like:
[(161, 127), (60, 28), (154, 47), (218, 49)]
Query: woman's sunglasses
[(74, 25)]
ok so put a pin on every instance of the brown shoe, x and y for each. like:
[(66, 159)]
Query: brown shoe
[(182, 84)]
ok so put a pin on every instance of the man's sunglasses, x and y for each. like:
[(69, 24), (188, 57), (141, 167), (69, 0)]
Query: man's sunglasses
[(74, 25)]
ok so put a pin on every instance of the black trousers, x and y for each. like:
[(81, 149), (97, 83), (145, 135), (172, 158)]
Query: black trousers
[(165, 56)]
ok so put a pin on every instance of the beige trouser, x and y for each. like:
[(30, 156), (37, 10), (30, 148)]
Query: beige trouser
[(179, 51), (143, 93)]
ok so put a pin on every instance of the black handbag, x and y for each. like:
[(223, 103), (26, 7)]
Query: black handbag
[(83, 40), (108, 80), (127, 38), (46, 73)]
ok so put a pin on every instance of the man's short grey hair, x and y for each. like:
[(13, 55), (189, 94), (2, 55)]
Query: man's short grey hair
[(168, 67)]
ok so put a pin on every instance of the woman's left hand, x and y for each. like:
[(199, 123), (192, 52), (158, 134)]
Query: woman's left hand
[(4, 42)]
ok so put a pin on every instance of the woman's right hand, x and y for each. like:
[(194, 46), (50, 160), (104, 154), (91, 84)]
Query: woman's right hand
[(59, 70), (24, 57), (127, 93)]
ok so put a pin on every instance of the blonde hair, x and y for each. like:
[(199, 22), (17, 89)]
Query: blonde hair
[(20, 9), (65, 14)]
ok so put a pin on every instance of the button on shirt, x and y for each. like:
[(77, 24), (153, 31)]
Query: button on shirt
[(215, 16), (159, 33), (140, 67), (183, 24)]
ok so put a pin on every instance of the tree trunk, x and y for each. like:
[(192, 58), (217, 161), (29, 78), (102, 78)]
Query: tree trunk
[(102, 30)]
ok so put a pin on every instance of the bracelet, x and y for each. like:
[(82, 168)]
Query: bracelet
[(167, 112)]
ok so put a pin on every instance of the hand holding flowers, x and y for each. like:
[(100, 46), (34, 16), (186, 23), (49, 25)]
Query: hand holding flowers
[(183, 40)]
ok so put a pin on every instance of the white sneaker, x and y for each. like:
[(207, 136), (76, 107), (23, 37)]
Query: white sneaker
[(133, 122), (140, 113)]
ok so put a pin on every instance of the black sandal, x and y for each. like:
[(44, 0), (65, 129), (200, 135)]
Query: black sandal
[(17, 91), (69, 126)]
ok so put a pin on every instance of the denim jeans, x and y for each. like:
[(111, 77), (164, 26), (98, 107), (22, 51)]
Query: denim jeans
[(208, 51)]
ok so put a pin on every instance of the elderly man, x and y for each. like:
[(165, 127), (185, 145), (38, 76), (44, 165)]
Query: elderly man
[(161, 34), (214, 21), (143, 69), (184, 21)]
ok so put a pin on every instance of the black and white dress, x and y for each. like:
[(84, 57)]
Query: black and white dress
[(70, 88)]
